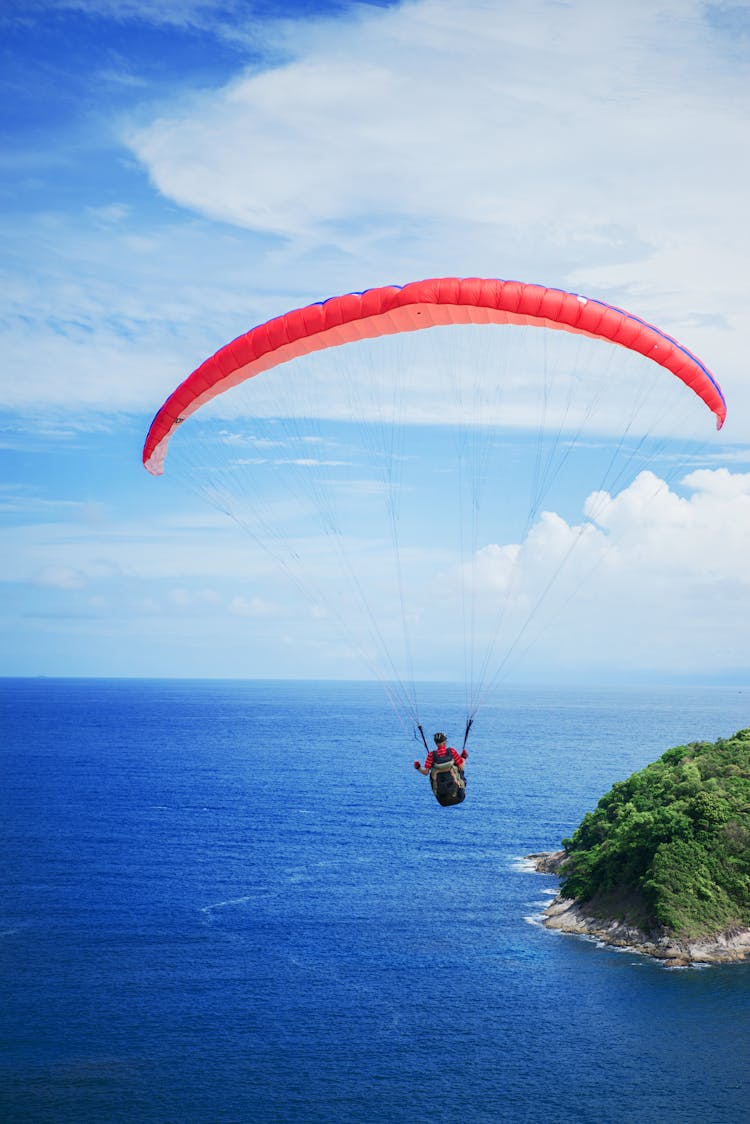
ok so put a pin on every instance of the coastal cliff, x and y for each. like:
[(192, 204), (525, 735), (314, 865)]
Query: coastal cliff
[(662, 866)]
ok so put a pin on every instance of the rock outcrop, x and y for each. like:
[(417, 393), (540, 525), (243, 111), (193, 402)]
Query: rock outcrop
[(569, 916)]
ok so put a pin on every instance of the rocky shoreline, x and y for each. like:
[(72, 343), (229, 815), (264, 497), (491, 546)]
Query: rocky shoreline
[(568, 916)]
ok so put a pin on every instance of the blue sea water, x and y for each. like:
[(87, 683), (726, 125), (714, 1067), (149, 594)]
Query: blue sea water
[(237, 901)]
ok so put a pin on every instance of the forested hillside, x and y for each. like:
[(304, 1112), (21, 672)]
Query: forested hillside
[(670, 847)]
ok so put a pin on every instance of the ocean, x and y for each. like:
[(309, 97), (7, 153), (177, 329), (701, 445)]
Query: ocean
[(235, 901)]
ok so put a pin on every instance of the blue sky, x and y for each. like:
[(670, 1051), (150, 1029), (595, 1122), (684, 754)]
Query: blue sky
[(173, 174)]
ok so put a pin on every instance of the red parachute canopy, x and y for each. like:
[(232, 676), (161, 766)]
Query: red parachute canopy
[(421, 304)]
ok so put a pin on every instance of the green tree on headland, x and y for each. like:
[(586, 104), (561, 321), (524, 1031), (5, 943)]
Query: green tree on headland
[(669, 848)]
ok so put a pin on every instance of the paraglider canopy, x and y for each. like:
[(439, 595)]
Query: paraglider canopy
[(413, 307), (368, 428)]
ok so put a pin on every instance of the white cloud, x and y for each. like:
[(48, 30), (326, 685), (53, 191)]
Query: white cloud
[(127, 550), (186, 598), (489, 120), (18, 498), (256, 607), (60, 577), (185, 14), (551, 142), (493, 568), (556, 142), (720, 483), (660, 579), (701, 539)]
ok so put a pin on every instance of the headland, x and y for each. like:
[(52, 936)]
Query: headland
[(570, 916)]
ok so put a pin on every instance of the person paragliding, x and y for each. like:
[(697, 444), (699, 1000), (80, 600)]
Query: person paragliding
[(288, 504), (445, 766)]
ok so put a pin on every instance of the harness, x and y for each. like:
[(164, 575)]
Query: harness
[(442, 759)]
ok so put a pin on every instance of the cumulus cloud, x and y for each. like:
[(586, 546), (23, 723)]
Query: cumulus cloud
[(720, 483), (703, 535), (651, 575), (660, 574), (493, 567), (554, 142)]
